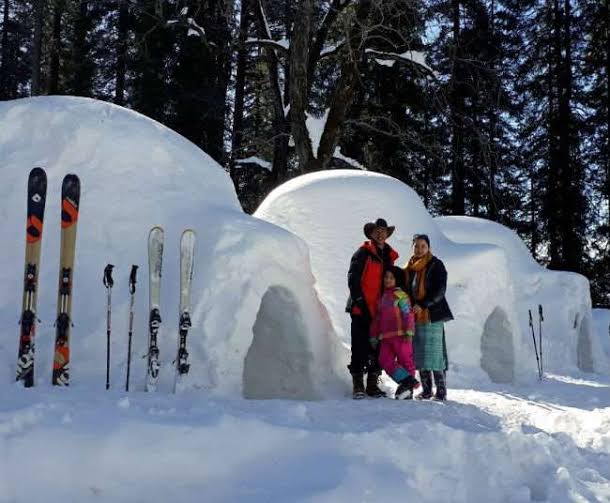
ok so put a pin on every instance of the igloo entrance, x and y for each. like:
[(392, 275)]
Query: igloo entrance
[(497, 351), (278, 363), (583, 347)]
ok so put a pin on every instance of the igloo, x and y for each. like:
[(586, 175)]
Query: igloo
[(488, 337), (572, 341), (136, 173)]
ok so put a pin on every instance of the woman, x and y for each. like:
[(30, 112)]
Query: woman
[(426, 285)]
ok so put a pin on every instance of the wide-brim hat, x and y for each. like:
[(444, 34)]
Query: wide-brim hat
[(369, 227)]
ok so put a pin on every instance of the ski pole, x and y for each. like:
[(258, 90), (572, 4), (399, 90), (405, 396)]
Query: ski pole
[(535, 347), (132, 291), (540, 320), (108, 283)]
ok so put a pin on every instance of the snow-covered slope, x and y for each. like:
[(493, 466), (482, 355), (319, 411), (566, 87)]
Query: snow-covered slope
[(136, 173)]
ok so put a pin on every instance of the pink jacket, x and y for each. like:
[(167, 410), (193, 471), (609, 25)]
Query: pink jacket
[(394, 315)]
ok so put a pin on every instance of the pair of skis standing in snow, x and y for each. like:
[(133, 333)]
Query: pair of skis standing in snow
[(70, 202), (155, 262)]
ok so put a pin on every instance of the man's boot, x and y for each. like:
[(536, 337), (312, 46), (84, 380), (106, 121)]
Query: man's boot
[(371, 385), (426, 382), (358, 382), (441, 386)]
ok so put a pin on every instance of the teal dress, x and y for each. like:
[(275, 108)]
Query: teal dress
[(429, 347)]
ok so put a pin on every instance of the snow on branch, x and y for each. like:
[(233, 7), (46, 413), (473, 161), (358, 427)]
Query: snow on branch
[(281, 45), (329, 50), (416, 57), (253, 160)]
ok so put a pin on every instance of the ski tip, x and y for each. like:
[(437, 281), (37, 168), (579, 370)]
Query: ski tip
[(38, 171), (188, 234), (70, 186), (157, 229)]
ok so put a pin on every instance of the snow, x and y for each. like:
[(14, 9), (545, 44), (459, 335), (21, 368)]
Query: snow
[(135, 174), (315, 127), (253, 160), (280, 44), (564, 296), (601, 325), (267, 312), (388, 58), (492, 279)]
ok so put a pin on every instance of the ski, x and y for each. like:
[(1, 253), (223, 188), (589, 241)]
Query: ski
[(155, 262), (37, 195), (187, 251), (70, 200)]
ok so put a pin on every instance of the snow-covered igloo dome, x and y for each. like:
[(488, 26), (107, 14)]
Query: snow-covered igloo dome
[(328, 210), (258, 326), (569, 338)]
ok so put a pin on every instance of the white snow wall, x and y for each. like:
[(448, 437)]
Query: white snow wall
[(136, 173), (328, 210)]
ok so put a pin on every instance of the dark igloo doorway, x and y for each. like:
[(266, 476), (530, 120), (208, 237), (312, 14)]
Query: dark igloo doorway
[(583, 346), (279, 363), (497, 351)]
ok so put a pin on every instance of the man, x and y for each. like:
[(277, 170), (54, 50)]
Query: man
[(365, 279)]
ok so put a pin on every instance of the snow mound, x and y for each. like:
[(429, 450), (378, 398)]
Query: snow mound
[(564, 296), (136, 173), (328, 210), (492, 283)]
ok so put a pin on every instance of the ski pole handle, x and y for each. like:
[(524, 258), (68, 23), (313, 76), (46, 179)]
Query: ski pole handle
[(132, 279), (531, 321), (108, 282), (540, 312)]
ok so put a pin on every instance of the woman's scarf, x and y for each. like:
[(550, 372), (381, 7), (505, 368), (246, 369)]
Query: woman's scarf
[(418, 266)]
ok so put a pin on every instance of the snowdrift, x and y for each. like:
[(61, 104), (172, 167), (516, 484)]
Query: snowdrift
[(488, 337), (136, 173)]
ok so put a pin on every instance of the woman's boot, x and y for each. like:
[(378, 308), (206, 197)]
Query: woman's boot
[(426, 382), (358, 383), (441, 386)]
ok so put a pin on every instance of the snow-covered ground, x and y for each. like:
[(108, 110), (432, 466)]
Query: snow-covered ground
[(266, 324), (546, 442)]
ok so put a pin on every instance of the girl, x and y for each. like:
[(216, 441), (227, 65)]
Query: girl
[(394, 327)]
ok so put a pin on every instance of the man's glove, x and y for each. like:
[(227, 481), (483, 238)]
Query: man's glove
[(361, 304), (374, 342)]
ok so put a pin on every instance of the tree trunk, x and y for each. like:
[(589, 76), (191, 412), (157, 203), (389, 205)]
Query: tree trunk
[(299, 56), (4, 66), (82, 78), (37, 46), (121, 53), (345, 90), (281, 128), (240, 86), (606, 12), (553, 193), (458, 171), (54, 87)]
